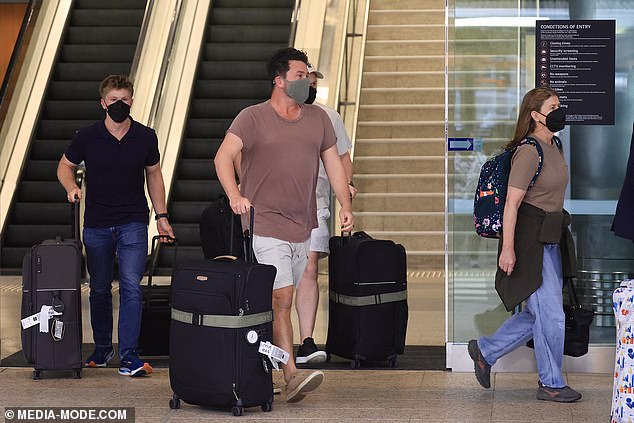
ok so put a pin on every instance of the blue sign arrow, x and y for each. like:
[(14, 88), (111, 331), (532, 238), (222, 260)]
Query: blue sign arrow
[(459, 144)]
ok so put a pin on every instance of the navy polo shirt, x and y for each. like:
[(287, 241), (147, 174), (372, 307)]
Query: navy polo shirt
[(115, 172)]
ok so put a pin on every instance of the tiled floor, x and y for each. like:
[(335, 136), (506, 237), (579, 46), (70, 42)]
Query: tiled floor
[(345, 396)]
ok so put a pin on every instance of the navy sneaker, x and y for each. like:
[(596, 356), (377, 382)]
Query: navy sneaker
[(100, 357), (132, 365)]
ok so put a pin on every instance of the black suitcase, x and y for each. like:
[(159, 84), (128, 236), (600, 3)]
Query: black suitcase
[(51, 276), (367, 316), (155, 309), (220, 230), (221, 312)]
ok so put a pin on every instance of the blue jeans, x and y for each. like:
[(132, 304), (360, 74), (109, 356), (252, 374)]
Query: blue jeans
[(129, 243), (543, 320)]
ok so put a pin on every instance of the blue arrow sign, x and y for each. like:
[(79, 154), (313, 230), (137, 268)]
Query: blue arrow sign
[(459, 144)]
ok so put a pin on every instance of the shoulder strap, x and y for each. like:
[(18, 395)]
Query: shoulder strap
[(532, 141), (557, 142)]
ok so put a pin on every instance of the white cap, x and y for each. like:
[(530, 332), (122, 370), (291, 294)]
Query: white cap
[(318, 74)]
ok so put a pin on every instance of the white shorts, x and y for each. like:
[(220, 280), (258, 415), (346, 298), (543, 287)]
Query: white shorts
[(320, 236), (289, 258)]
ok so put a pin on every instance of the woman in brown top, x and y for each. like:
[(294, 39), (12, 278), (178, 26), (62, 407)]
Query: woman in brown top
[(542, 319)]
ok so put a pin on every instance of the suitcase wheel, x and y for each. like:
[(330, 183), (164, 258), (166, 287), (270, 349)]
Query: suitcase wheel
[(392, 362), (267, 406), (237, 410), (37, 375), (76, 373), (355, 364), (175, 402)]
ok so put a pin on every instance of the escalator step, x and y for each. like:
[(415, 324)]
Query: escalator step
[(211, 128), (48, 149), (188, 234), (27, 235), (187, 212), (110, 4), (193, 148), (237, 52), (82, 53), (184, 253), (250, 16), (40, 170), (60, 129), (204, 191), (89, 71), (97, 17), (31, 213), (248, 34), (233, 70), (11, 259), (78, 109), (102, 35), (196, 169), (222, 89), (202, 108), (254, 3), (40, 192), (74, 90)]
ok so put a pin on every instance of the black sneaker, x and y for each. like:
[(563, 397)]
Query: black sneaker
[(480, 365), (308, 353), (565, 394)]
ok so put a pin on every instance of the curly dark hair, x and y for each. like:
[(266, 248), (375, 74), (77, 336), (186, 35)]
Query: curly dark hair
[(278, 63)]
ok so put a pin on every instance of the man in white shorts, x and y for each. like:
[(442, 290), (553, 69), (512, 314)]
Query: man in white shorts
[(275, 146), (307, 295)]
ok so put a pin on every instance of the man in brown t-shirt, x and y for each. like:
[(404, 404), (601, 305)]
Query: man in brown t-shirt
[(276, 146)]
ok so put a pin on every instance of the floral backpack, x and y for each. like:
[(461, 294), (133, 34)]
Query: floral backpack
[(490, 195)]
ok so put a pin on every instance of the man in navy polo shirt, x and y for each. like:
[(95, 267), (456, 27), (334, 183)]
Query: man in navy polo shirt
[(119, 154)]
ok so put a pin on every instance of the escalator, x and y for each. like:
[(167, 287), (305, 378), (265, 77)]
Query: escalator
[(100, 39), (231, 75)]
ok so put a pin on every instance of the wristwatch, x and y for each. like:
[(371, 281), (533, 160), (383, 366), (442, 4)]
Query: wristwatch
[(161, 215)]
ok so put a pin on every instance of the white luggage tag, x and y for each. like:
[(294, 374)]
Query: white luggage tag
[(41, 318), (275, 354)]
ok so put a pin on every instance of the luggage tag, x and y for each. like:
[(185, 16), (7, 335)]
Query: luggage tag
[(57, 329), (275, 354), (41, 318)]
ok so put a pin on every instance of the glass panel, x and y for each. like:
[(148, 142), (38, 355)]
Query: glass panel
[(491, 66)]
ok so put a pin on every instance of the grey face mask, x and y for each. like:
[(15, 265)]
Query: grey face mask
[(298, 89)]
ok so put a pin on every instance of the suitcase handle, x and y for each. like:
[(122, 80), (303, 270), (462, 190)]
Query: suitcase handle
[(249, 256), (154, 255), (75, 210)]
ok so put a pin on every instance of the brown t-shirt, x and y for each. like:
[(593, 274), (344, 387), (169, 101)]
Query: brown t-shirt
[(550, 187), (280, 162)]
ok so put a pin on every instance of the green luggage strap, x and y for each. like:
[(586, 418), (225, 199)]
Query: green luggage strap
[(368, 300), (222, 321)]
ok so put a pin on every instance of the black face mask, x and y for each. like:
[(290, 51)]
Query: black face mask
[(119, 111), (312, 95), (555, 120)]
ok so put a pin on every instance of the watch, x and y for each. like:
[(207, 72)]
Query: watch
[(161, 215)]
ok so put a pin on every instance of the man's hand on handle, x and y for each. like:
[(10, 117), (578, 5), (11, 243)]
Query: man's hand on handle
[(240, 205), (347, 220), (74, 195)]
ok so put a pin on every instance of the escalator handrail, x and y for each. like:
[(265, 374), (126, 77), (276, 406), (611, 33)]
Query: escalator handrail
[(142, 35), (17, 57), (294, 18)]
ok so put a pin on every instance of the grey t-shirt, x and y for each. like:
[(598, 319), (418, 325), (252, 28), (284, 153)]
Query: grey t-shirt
[(550, 187), (280, 162), (343, 145)]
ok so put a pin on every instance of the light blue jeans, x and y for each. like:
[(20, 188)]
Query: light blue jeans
[(129, 243), (542, 319)]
